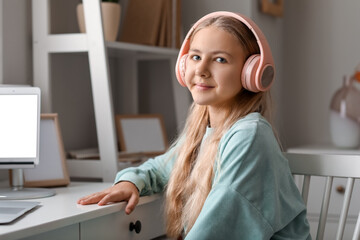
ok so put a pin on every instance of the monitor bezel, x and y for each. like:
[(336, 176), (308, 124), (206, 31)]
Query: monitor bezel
[(11, 163)]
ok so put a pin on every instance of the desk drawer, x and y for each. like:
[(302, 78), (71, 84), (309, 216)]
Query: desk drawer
[(69, 233), (116, 225)]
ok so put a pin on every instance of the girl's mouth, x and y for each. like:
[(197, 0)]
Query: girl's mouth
[(201, 86)]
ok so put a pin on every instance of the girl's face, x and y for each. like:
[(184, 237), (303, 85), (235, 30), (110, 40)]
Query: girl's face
[(213, 67)]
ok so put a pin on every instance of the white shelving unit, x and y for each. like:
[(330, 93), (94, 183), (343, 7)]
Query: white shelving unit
[(93, 43)]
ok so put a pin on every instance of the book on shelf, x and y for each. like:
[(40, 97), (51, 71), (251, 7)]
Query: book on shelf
[(152, 22), (93, 154), (88, 153)]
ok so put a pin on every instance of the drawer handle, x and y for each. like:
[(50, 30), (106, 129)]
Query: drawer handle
[(340, 189), (136, 226)]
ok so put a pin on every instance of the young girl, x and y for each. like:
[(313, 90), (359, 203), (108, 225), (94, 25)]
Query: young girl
[(225, 177)]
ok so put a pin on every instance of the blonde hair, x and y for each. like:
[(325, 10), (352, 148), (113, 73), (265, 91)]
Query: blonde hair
[(193, 173)]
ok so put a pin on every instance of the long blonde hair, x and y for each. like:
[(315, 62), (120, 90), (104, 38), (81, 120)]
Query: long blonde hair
[(193, 173)]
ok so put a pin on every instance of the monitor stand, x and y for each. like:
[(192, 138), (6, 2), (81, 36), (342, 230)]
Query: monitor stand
[(18, 192)]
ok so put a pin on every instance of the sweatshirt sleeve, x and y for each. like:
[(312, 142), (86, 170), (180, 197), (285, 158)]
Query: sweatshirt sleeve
[(150, 177), (229, 215)]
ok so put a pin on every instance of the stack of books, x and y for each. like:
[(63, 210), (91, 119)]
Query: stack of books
[(152, 22)]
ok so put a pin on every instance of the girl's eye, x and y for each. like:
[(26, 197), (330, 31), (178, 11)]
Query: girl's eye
[(221, 60), (195, 57)]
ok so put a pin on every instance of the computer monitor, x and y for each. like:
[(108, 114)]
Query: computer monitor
[(19, 138)]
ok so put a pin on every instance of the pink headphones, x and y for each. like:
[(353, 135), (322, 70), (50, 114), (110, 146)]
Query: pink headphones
[(258, 72)]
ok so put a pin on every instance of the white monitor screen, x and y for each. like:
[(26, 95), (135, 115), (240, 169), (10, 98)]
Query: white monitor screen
[(19, 123)]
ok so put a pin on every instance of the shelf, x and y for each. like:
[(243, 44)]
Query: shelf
[(86, 168), (132, 48), (77, 42), (323, 149)]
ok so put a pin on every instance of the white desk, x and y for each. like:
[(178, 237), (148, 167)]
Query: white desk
[(60, 217)]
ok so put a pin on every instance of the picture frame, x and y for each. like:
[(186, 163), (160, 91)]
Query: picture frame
[(141, 133), (52, 170), (273, 7)]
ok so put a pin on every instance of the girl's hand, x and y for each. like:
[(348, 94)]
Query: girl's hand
[(122, 191)]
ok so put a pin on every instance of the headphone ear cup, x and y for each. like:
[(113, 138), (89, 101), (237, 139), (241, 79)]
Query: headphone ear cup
[(248, 73), (182, 69)]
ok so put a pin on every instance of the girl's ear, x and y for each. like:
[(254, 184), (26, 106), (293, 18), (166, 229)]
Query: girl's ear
[(182, 69)]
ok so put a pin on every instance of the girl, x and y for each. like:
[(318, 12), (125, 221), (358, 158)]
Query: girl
[(225, 177)]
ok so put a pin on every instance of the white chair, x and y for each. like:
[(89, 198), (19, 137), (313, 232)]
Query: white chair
[(329, 166)]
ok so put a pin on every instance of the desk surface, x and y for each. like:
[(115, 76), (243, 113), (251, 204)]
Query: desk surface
[(62, 210)]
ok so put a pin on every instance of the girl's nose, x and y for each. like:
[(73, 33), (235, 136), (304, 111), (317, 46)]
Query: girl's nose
[(202, 69)]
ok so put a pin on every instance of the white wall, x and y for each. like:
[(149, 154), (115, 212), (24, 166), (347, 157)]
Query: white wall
[(321, 44), (193, 10), (15, 46), (16, 42), (1, 42)]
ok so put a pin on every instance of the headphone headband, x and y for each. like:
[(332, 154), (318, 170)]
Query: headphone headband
[(257, 75)]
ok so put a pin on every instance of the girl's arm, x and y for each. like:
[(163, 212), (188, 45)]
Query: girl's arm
[(124, 191), (150, 177), (227, 214)]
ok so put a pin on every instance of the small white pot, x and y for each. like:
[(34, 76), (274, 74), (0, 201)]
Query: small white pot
[(345, 132), (110, 17)]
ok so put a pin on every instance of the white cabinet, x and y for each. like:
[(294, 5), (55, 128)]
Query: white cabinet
[(114, 226), (69, 233), (92, 43), (317, 186), (146, 215)]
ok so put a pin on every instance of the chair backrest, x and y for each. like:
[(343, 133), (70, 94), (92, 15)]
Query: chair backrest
[(329, 166)]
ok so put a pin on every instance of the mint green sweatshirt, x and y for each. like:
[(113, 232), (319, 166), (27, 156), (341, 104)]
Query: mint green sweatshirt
[(254, 196)]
